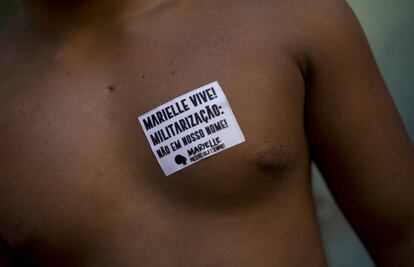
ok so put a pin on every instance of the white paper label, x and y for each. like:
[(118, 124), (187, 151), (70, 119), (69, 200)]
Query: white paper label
[(191, 127)]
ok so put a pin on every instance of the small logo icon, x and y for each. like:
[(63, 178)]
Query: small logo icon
[(179, 159)]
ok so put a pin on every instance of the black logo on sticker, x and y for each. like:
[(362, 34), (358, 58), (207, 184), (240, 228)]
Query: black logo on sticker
[(179, 159)]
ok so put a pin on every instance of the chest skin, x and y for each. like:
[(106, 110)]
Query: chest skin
[(78, 177)]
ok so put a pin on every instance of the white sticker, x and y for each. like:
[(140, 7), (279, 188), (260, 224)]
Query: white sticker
[(191, 127)]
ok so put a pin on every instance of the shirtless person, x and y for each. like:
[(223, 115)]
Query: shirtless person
[(79, 185)]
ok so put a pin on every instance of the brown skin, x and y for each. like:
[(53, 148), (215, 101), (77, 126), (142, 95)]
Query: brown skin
[(79, 185)]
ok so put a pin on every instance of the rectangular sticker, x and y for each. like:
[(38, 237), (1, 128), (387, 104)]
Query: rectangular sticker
[(191, 127)]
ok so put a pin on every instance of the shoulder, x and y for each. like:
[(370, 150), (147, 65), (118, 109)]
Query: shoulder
[(325, 32), (319, 14), (312, 25), (329, 30)]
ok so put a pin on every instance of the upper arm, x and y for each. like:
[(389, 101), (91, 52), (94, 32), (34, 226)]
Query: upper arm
[(357, 138)]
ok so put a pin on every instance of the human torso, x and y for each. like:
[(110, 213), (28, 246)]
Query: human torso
[(80, 186)]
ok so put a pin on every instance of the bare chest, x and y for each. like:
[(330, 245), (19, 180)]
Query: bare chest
[(71, 146)]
